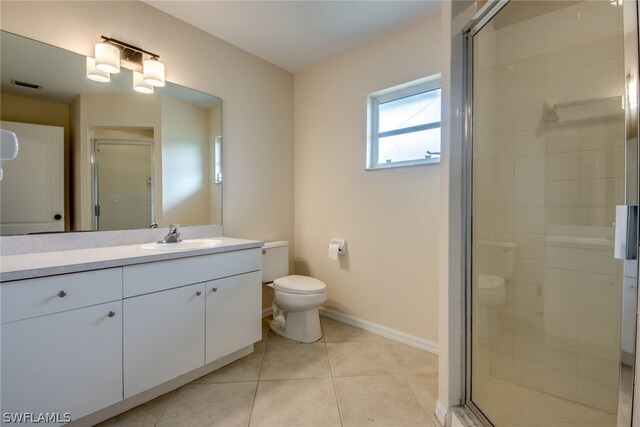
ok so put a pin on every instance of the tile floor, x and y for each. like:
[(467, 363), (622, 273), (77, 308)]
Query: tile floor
[(349, 378)]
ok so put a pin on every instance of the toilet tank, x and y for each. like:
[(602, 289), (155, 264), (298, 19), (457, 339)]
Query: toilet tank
[(275, 260), (497, 258)]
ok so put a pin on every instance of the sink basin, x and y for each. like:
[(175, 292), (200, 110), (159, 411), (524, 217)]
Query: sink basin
[(185, 245)]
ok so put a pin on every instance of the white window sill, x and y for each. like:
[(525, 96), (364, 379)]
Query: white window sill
[(403, 165)]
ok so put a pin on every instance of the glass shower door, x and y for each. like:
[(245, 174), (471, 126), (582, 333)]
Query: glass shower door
[(551, 159)]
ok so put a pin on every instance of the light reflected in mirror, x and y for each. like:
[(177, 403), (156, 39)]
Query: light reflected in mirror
[(100, 156)]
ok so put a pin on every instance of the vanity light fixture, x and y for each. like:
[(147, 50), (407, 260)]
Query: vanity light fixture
[(94, 73), (139, 84), (147, 73)]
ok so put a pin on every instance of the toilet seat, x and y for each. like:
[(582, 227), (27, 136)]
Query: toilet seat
[(303, 285)]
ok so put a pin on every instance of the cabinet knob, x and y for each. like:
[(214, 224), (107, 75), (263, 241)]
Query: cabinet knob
[(62, 294), (214, 289), (198, 293), (111, 313)]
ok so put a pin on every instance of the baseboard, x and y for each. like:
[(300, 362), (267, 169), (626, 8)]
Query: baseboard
[(384, 331), (266, 312), (441, 413)]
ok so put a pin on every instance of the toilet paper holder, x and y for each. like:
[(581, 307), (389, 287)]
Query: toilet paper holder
[(341, 243)]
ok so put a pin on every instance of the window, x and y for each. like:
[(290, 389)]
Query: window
[(217, 166), (404, 125)]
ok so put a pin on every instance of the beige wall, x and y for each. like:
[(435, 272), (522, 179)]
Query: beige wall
[(21, 109), (99, 111), (185, 163), (388, 217), (258, 96)]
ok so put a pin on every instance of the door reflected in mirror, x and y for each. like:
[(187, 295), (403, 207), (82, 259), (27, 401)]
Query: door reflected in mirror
[(124, 161), (123, 184)]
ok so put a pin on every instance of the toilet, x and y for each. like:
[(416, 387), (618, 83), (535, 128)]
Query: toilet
[(491, 294), (492, 290), (295, 298), (495, 262)]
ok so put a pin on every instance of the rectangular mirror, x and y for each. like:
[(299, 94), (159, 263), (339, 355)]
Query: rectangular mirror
[(100, 156)]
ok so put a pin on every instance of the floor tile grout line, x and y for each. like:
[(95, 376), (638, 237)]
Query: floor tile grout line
[(253, 404), (255, 392), (404, 375), (333, 382), (165, 407), (380, 374), (194, 384), (310, 377), (423, 404)]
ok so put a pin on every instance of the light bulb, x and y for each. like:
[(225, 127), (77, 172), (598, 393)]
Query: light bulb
[(107, 58), (139, 85), (154, 72), (94, 74)]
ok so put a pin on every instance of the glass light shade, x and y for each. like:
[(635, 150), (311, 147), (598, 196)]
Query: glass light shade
[(154, 72), (139, 85), (94, 74), (107, 58)]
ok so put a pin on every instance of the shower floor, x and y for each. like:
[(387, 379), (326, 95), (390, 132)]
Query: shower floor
[(513, 405)]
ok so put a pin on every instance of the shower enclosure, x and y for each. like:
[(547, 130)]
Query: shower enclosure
[(551, 212)]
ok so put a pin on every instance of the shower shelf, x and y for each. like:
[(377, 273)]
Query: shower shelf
[(615, 102)]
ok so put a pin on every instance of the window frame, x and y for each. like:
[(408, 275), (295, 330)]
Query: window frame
[(415, 87)]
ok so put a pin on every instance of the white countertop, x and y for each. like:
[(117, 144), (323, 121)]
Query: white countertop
[(27, 266)]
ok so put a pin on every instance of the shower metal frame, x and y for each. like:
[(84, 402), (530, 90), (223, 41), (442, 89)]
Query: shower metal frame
[(626, 381)]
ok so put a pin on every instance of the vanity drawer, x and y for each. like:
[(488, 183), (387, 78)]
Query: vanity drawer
[(158, 276), (24, 299)]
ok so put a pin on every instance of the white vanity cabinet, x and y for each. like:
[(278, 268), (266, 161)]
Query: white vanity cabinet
[(61, 345), (163, 337), (167, 305), (97, 343), (233, 311)]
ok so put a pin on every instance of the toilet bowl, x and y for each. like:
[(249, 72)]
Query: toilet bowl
[(492, 294), (492, 290), (295, 298), (295, 307)]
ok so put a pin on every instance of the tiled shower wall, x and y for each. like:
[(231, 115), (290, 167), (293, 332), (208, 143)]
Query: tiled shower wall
[(551, 186)]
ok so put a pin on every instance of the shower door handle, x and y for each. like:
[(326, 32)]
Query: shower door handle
[(626, 235)]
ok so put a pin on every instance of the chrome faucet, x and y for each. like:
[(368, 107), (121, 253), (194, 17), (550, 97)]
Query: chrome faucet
[(173, 236)]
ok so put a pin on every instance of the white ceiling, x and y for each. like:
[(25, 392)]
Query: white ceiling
[(297, 34)]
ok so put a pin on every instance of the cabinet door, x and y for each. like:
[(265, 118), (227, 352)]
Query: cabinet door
[(68, 362), (234, 314), (163, 337)]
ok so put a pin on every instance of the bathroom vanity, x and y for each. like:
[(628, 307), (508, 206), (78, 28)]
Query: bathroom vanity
[(95, 332)]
